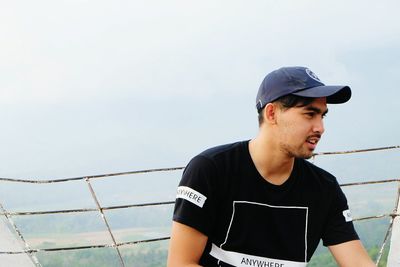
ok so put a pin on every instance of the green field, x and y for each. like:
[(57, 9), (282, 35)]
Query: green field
[(154, 254)]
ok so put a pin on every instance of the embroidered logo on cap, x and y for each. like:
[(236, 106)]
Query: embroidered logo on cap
[(312, 75), (347, 215)]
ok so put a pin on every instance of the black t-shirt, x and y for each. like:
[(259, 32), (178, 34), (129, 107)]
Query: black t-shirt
[(251, 222)]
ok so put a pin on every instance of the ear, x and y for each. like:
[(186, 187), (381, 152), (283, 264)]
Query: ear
[(270, 112)]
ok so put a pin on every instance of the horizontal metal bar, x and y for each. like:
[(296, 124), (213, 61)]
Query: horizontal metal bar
[(25, 213), (89, 176), (147, 240), (392, 215), (372, 182), (84, 247), (356, 151), (17, 180)]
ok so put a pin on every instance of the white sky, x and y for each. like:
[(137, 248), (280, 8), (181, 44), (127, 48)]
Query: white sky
[(90, 87)]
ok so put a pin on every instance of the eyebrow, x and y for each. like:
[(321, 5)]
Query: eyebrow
[(317, 110)]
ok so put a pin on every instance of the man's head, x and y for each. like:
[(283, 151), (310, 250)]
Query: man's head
[(299, 81), (297, 86), (293, 101)]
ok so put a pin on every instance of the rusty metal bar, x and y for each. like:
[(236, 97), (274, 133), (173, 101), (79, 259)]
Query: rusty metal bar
[(25, 213), (85, 247), (169, 169), (31, 255), (355, 151), (395, 226), (32, 181), (105, 221)]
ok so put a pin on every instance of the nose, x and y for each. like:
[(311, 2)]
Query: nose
[(319, 126)]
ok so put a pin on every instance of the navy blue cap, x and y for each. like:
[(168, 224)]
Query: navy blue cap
[(298, 81)]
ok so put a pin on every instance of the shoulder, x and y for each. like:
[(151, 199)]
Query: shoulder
[(224, 150), (324, 184), (318, 174), (217, 158), (223, 153)]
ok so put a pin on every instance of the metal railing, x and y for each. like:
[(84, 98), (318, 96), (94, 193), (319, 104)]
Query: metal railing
[(116, 245)]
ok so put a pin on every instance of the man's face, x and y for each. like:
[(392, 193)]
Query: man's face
[(300, 128)]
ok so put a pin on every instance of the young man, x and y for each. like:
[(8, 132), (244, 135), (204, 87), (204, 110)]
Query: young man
[(259, 202)]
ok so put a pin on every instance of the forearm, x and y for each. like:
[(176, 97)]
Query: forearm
[(351, 254), (186, 246), (177, 262)]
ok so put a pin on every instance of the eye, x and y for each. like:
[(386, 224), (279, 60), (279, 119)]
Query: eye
[(310, 114)]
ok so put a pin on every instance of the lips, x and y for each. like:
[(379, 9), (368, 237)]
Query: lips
[(312, 141)]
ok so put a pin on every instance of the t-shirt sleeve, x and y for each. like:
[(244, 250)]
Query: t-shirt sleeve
[(195, 198), (339, 227)]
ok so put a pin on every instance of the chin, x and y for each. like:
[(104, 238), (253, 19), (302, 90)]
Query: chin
[(299, 152), (308, 156), (304, 154)]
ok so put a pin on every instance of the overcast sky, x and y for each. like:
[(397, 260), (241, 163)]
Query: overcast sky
[(91, 87)]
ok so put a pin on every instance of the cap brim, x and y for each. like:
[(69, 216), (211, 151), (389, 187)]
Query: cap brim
[(335, 94)]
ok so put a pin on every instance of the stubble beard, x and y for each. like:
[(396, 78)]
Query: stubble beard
[(294, 152)]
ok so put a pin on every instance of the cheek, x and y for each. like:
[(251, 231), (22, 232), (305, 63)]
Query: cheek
[(294, 132)]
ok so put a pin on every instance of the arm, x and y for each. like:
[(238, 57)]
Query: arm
[(351, 254), (186, 246)]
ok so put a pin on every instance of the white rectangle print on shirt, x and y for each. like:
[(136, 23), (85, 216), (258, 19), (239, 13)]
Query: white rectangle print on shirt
[(265, 228)]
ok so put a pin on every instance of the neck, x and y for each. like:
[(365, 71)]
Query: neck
[(273, 165)]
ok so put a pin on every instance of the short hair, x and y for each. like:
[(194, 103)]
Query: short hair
[(286, 102)]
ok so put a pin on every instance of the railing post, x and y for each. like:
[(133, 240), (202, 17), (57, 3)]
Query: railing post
[(10, 241), (394, 253), (99, 207)]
